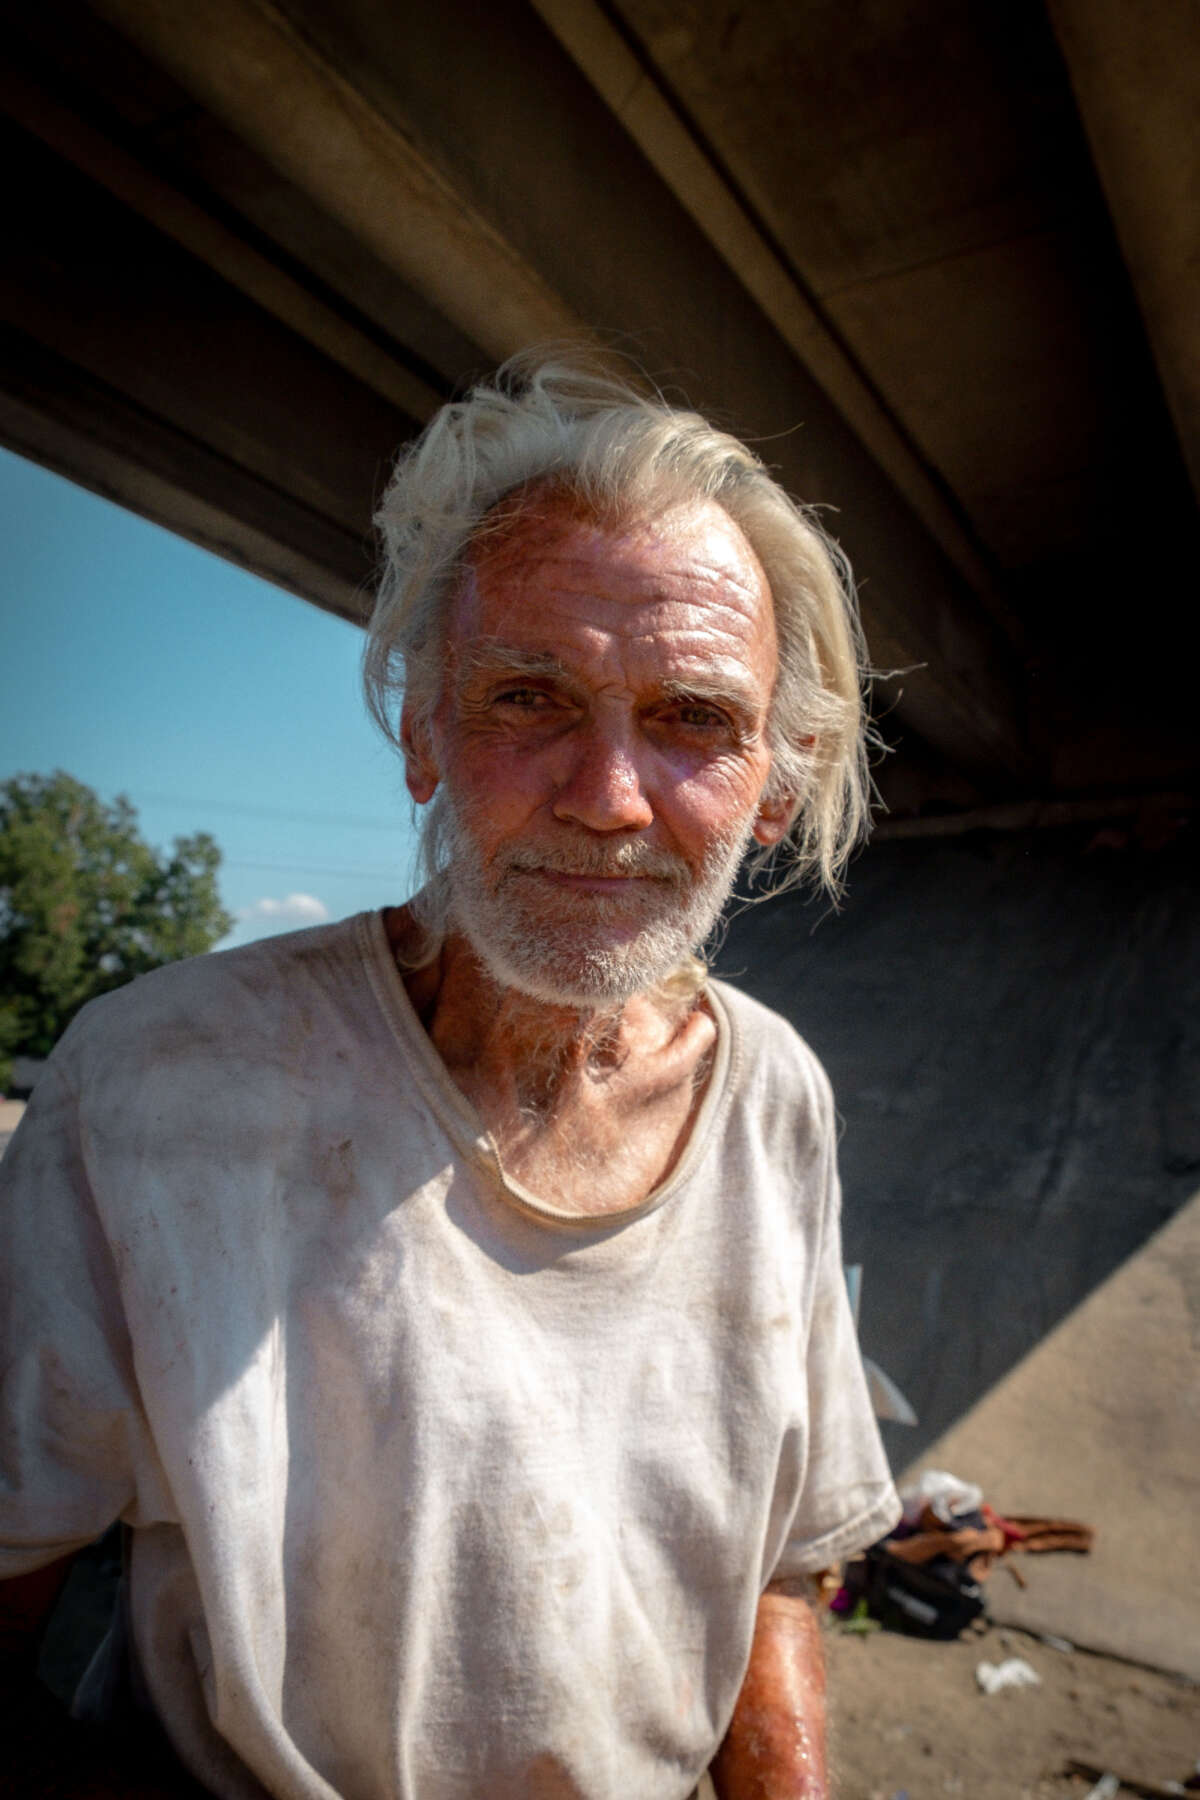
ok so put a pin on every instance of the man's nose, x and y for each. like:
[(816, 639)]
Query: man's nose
[(602, 787)]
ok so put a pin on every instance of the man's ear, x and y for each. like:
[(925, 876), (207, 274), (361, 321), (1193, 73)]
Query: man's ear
[(772, 819), (421, 772), (776, 811)]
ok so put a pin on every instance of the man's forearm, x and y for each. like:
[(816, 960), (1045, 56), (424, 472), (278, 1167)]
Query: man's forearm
[(775, 1746)]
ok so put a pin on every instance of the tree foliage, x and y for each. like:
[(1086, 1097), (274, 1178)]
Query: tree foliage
[(86, 904)]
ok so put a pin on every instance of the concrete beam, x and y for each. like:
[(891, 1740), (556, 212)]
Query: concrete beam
[(477, 163), (56, 414), (1161, 817), (1136, 75), (643, 106), (136, 370), (247, 63), (160, 203)]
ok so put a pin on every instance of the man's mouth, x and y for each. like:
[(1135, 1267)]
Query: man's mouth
[(601, 875), (588, 881)]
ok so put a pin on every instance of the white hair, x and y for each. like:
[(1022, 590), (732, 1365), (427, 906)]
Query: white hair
[(624, 455)]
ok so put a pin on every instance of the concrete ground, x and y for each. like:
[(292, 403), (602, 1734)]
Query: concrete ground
[(1100, 1422), (908, 1718)]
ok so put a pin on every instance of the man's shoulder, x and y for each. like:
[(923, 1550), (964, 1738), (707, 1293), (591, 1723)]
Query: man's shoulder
[(766, 1034), (218, 995), (776, 1079)]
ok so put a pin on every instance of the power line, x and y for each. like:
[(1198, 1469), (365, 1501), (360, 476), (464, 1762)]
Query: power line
[(272, 812), (309, 868)]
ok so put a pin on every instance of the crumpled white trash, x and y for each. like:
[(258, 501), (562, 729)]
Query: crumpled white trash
[(946, 1494), (1015, 1672)]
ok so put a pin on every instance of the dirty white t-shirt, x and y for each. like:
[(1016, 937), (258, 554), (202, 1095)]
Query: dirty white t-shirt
[(438, 1494)]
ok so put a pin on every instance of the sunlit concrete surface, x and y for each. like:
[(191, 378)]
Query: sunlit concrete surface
[(1101, 1422), (10, 1117)]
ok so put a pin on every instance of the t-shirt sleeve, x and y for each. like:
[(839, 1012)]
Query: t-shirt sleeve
[(847, 1499), (71, 1429)]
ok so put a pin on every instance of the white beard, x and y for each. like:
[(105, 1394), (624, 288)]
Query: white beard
[(568, 948)]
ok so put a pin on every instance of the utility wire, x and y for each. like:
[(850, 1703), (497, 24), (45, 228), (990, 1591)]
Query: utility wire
[(307, 868), (274, 812)]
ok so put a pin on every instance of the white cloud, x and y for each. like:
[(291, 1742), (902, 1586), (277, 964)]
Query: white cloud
[(293, 909), (266, 916)]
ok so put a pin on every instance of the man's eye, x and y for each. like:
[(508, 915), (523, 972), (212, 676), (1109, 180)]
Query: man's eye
[(525, 697), (699, 716)]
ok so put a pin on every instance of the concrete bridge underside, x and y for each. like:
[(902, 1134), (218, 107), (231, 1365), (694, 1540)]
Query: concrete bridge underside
[(939, 260)]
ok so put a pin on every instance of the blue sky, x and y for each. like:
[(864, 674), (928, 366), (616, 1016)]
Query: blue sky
[(214, 701)]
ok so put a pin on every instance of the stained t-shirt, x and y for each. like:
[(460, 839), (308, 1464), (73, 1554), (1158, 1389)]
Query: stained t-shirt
[(438, 1493)]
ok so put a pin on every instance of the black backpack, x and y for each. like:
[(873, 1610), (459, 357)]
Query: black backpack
[(935, 1599)]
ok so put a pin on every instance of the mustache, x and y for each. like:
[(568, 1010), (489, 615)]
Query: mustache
[(599, 860)]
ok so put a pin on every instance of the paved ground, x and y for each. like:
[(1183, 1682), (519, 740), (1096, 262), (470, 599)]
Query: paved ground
[(908, 1718)]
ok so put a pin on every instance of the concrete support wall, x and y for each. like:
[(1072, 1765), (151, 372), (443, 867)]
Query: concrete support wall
[(1012, 1027)]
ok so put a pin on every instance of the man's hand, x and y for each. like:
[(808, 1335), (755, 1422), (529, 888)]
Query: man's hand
[(775, 1746)]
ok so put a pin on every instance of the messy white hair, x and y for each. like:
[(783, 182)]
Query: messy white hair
[(623, 455)]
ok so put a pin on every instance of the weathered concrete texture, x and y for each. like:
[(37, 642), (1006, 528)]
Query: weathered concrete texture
[(1136, 77), (1102, 1423), (1012, 1027)]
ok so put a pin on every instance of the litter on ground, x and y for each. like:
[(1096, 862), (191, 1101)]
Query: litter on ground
[(1014, 1672)]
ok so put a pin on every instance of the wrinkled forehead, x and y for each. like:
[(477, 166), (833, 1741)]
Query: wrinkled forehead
[(548, 503), (543, 512), (684, 544)]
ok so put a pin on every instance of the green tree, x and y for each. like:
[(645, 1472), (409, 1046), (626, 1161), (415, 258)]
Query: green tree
[(86, 904)]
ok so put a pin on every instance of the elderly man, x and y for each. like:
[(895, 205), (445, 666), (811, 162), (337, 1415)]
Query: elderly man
[(450, 1299)]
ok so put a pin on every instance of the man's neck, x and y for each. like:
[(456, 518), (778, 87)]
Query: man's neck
[(588, 1107)]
